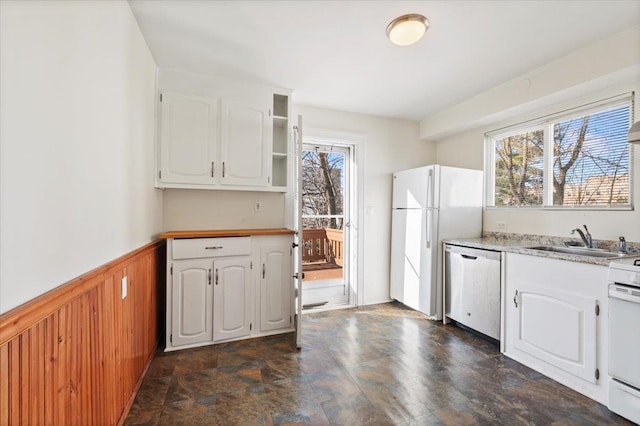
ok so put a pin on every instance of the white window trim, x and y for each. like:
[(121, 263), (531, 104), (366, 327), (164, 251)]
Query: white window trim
[(546, 123)]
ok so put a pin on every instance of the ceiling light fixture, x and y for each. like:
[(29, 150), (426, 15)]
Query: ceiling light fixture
[(407, 29)]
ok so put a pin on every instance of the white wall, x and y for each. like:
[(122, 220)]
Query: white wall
[(188, 209), (389, 145), (613, 60), (76, 145), (466, 148)]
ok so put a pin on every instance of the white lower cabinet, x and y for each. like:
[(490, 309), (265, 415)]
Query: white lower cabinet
[(232, 298), (556, 327), (275, 286), (222, 289), (554, 319), (192, 302)]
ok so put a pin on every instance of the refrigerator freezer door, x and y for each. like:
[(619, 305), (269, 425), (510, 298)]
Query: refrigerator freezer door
[(459, 187), (413, 189), (460, 203), (412, 262)]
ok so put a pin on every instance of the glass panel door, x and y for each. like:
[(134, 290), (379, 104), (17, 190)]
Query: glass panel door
[(324, 217)]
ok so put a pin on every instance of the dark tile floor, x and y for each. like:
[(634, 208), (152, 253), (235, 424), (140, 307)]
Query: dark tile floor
[(379, 365)]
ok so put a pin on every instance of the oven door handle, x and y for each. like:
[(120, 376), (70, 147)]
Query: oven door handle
[(623, 293)]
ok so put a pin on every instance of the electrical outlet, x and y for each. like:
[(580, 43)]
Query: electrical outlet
[(258, 206), (501, 224), (124, 287)]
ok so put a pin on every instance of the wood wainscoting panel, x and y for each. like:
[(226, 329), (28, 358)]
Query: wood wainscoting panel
[(77, 354)]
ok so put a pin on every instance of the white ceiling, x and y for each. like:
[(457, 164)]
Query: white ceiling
[(335, 54)]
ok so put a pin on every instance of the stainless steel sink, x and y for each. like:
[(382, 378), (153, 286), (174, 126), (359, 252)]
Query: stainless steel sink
[(581, 251)]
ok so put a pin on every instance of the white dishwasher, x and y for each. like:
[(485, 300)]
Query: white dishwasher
[(472, 288)]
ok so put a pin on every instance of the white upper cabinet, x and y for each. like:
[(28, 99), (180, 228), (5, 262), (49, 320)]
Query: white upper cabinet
[(246, 141), (188, 139), (223, 141)]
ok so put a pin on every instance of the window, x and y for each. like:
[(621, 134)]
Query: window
[(579, 158)]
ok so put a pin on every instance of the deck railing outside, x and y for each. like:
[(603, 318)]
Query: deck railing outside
[(322, 245)]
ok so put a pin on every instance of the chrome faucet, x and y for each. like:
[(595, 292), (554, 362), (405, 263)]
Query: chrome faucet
[(586, 239), (622, 245)]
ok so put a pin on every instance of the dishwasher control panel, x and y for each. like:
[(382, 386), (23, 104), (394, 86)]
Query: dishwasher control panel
[(625, 271)]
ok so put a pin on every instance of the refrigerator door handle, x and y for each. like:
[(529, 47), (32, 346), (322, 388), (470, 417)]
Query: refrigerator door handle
[(428, 227), (430, 189)]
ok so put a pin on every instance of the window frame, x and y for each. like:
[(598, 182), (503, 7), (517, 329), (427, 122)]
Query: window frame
[(546, 123)]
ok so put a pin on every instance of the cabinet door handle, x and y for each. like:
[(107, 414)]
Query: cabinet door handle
[(466, 256), (223, 169), (213, 168), (216, 276), (263, 270), (515, 299), (209, 276), (213, 247)]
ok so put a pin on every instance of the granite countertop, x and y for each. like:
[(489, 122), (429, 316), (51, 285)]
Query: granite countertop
[(518, 243)]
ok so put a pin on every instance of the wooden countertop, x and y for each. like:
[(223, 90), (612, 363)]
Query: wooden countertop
[(225, 233)]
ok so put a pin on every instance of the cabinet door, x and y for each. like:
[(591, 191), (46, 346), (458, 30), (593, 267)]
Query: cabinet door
[(245, 150), (232, 298), (557, 327), (275, 287), (192, 302), (188, 139)]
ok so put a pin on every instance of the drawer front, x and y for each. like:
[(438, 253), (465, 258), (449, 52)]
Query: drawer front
[(210, 247)]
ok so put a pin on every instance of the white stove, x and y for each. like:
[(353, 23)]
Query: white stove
[(624, 338)]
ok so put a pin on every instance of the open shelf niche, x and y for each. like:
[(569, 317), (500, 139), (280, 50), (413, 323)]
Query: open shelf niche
[(280, 139)]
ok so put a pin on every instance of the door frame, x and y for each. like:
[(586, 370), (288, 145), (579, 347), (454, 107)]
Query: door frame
[(346, 278), (355, 143)]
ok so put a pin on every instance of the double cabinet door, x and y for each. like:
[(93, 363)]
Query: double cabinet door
[(211, 142), (211, 300)]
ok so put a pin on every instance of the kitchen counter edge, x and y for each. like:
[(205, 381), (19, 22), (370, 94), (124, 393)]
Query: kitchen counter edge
[(225, 233), (520, 247)]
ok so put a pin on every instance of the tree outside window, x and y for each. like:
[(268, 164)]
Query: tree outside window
[(591, 159), (588, 161), (323, 174), (518, 166)]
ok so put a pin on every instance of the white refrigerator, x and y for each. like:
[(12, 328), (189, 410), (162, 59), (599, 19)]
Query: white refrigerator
[(430, 204)]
